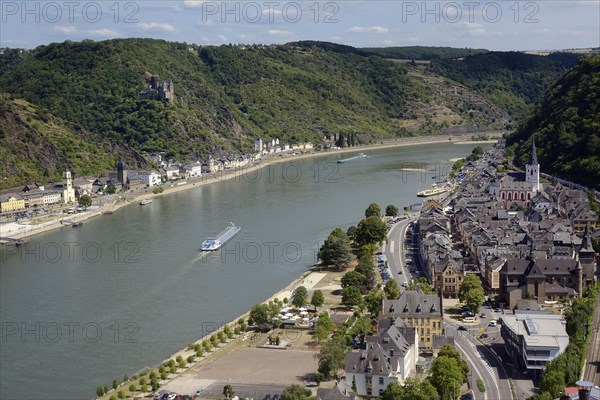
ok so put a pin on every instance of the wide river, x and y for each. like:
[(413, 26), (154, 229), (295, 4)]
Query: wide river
[(80, 307)]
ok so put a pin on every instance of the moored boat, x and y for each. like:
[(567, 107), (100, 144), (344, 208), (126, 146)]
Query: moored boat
[(434, 191)]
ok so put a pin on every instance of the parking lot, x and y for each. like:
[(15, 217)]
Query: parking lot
[(251, 372)]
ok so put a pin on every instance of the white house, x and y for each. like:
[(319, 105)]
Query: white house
[(391, 356), (172, 172), (193, 169), (52, 197), (150, 178)]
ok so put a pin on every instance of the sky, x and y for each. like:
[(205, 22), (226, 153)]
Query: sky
[(493, 25)]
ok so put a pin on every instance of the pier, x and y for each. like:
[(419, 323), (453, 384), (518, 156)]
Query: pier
[(18, 242)]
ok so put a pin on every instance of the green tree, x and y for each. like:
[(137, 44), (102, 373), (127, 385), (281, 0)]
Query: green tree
[(371, 230), (296, 392), (446, 377), (391, 211), (111, 188), (144, 388), (451, 352), (115, 383), (259, 314), (471, 292), (366, 268), (154, 384), (332, 357), (299, 296), (85, 201), (99, 391), (336, 250), (318, 299), (478, 150), (393, 391), (415, 389), (421, 284), (132, 388), (121, 394), (392, 289), (373, 211), (351, 296), (373, 301), (351, 232), (352, 278), (228, 391), (553, 382)]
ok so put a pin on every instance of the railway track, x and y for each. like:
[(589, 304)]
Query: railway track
[(591, 370)]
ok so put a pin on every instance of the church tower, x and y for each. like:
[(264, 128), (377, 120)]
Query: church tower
[(532, 169), (68, 192)]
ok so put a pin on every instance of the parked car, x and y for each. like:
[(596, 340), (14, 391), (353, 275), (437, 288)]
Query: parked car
[(482, 315), (493, 323), (498, 310), (462, 328), (483, 336)]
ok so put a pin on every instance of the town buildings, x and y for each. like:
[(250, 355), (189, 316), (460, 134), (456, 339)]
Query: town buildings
[(418, 310), (389, 356), (534, 338), (526, 238)]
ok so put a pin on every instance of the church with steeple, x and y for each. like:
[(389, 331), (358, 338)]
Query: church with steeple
[(532, 169), (516, 189)]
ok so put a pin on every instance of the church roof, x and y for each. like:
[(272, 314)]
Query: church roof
[(533, 155)]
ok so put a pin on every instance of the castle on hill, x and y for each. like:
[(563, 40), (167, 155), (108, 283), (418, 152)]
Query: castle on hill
[(159, 91)]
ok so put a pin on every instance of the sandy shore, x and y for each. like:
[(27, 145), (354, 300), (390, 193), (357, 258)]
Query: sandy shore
[(20, 231)]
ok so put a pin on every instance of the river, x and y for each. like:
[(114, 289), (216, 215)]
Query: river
[(80, 307)]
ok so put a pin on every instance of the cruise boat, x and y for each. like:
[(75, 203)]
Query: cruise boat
[(434, 191), (145, 201), (212, 244)]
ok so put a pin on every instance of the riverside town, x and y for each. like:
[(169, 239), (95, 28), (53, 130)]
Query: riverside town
[(300, 200)]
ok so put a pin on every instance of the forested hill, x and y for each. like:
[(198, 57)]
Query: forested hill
[(422, 52), (225, 97), (567, 127), (512, 80)]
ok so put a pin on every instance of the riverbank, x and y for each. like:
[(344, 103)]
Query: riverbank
[(309, 279), (24, 231)]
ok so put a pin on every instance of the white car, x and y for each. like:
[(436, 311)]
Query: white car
[(493, 323)]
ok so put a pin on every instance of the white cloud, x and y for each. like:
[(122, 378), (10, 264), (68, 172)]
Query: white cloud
[(65, 29), (473, 28), (279, 32), (388, 42), (369, 29), (102, 32), (204, 39), (156, 26), (222, 38), (193, 3)]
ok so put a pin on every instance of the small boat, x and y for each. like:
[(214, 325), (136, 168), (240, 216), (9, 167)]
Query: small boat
[(434, 191), (145, 201), (212, 244), (77, 224), (361, 155)]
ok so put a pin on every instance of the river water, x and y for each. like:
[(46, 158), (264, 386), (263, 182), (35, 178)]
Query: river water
[(80, 307)]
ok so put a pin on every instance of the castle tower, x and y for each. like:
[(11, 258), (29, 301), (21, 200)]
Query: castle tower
[(122, 172), (68, 191), (532, 169)]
